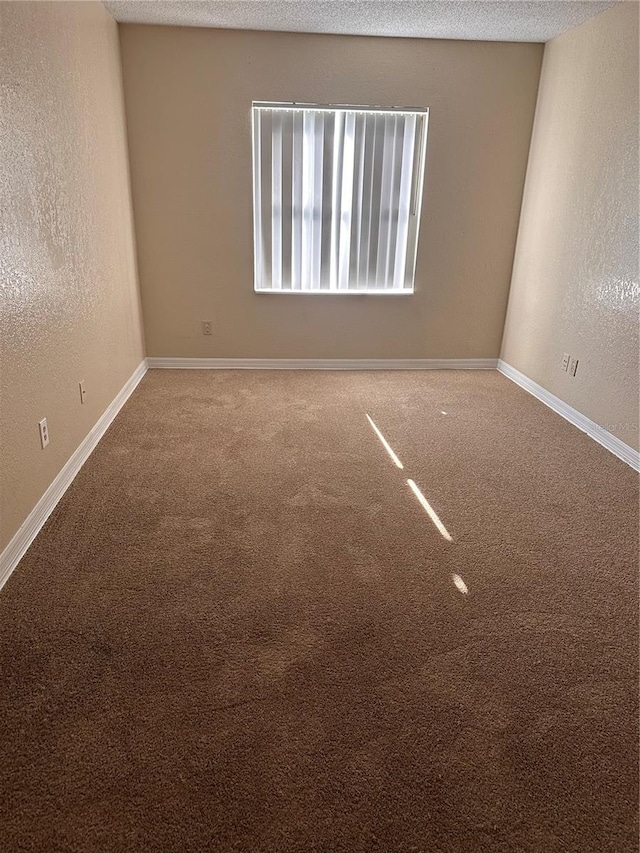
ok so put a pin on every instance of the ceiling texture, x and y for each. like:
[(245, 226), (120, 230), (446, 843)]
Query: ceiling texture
[(503, 20)]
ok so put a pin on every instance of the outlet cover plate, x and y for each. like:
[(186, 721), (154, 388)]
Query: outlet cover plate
[(44, 433)]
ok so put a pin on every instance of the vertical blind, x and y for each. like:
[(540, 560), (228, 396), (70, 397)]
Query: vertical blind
[(336, 198)]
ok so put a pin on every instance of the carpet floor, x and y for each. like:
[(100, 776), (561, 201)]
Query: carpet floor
[(242, 630)]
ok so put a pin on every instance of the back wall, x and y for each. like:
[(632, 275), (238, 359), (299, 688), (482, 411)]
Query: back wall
[(188, 95)]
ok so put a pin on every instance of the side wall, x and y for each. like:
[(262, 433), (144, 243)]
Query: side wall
[(188, 95), (69, 298), (575, 281)]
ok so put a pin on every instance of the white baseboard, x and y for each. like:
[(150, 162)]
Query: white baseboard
[(17, 547), (592, 429), (323, 363)]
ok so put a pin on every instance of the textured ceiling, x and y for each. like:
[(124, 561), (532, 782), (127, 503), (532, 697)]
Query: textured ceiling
[(505, 20)]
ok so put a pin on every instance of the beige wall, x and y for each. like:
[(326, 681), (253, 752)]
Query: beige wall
[(188, 95), (575, 282), (67, 259)]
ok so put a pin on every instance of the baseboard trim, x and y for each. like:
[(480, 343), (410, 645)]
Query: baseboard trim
[(593, 430), (323, 363), (30, 528)]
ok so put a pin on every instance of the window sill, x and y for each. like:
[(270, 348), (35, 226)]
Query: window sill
[(389, 292)]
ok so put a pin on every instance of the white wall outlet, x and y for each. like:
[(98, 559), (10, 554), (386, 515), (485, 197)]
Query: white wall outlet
[(206, 327), (573, 366), (44, 432), (82, 391), (565, 361)]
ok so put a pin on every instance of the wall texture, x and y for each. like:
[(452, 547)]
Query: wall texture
[(575, 282), (67, 258), (188, 94)]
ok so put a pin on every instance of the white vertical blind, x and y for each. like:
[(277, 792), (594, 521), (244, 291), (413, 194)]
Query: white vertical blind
[(276, 203), (297, 200), (336, 198)]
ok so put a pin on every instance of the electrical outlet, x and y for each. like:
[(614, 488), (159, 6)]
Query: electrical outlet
[(44, 432), (573, 366), (565, 361), (206, 327), (82, 391)]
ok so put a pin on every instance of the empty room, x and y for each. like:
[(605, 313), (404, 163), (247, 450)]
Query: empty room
[(319, 374)]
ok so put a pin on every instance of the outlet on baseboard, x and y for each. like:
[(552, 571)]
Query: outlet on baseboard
[(206, 327), (44, 433)]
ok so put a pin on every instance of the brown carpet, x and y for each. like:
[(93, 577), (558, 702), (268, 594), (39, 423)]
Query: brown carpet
[(240, 631)]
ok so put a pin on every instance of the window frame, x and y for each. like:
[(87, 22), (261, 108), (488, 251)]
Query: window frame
[(417, 192)]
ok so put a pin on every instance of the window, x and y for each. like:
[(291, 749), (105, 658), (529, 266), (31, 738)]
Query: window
[(336, 198)]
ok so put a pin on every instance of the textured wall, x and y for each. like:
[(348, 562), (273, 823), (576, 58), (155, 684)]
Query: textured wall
[(188, 94), (575, 283), (67, 259)]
